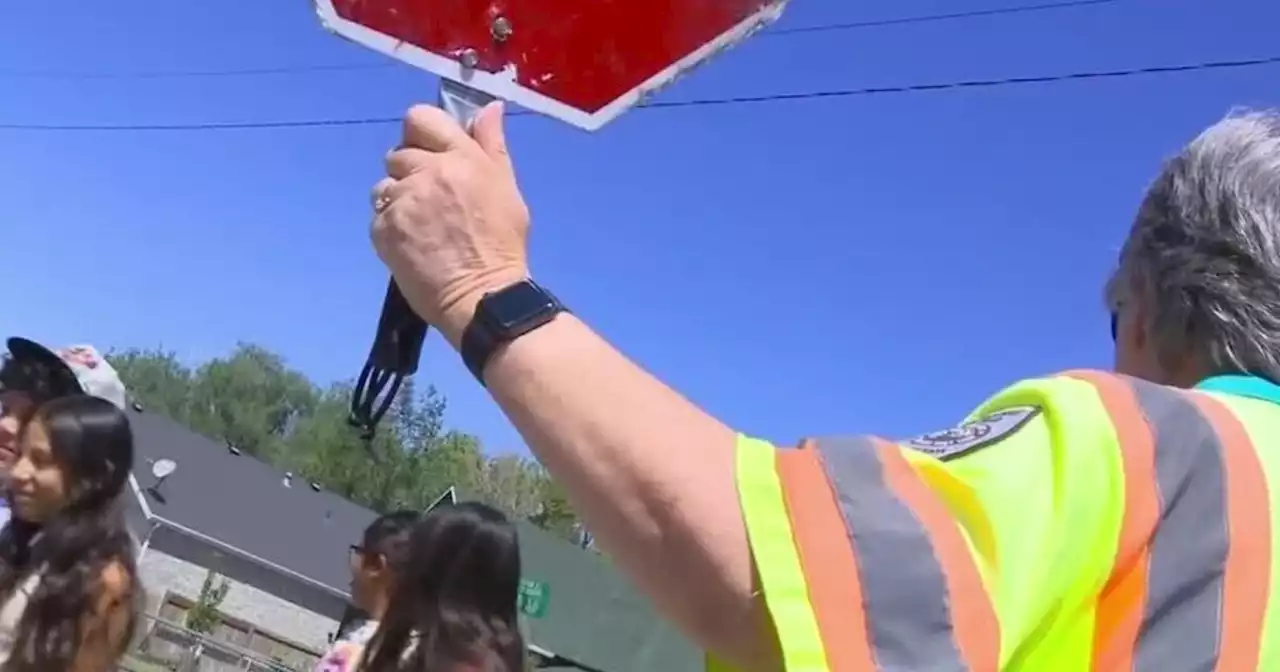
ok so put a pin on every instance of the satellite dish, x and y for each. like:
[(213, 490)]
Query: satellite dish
[(161, 469)]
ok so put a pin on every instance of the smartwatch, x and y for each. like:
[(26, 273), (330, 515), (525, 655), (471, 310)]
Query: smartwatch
[(502, 317)]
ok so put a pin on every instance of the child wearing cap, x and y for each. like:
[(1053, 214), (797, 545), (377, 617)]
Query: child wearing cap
[(68, 580), (32, 374)]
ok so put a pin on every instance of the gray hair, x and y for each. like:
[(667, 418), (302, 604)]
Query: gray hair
[(1204, 250)]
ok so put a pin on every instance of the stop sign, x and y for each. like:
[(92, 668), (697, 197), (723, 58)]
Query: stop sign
[(580, 61)]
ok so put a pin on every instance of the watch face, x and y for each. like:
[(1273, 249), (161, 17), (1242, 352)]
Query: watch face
[(517, 305)]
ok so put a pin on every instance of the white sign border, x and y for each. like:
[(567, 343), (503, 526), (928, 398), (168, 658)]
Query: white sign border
[(504, 85)]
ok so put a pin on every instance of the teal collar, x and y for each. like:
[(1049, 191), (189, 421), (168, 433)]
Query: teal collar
[(1243, 386)]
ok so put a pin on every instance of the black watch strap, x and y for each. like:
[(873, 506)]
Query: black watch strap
[(478, 346), (502, 317)]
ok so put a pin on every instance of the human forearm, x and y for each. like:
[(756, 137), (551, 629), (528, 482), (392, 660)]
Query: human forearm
[(652, 475)]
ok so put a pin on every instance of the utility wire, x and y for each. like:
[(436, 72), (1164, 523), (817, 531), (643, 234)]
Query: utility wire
[(701, 102), (935, 18), (974, 83), (774, 32)]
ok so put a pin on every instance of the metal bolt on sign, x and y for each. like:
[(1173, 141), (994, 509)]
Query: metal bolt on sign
[(501, 29), (469, 58)]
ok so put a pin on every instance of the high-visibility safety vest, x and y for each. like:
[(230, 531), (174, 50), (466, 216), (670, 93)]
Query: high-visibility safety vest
[(1084, 521)]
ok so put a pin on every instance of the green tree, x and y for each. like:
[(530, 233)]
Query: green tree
[(407, 464), (452, 460), (325, 449), (250, 399), (555, 514), (255, 401), (204, 616), (513, 484), (157, 379)]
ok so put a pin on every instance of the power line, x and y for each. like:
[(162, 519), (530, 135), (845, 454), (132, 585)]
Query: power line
[(974, 83), (700, 102), (936, 18), (775, 32), (183, 74)]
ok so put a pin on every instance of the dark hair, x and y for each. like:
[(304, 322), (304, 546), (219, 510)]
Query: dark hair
[(92, 442), (455, 601), (389, 534)]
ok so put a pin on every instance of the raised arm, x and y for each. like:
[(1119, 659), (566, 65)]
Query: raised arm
[(859, 554), (651, 473)]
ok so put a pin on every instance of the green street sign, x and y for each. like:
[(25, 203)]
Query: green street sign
[(533, 597)]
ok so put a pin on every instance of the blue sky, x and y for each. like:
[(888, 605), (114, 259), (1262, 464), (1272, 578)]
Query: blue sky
[(874, 263)]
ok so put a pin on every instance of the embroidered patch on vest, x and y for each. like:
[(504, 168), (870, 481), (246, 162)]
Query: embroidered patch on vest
[(949, 444)]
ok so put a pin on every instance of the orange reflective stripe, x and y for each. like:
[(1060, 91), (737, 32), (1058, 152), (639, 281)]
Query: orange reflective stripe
[(1120, 608), (1190, 583), (973, 617), (827, 556), (920, 593), (894, 583), (1247, 573)]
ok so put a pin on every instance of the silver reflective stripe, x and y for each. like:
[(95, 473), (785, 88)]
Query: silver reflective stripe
[(1183, 616), (904, 590)]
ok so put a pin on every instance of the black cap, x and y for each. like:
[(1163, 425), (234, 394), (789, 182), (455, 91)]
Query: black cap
[(35, 369)]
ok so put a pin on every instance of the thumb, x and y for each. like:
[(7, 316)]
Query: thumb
[(431, 128), (488, 132)]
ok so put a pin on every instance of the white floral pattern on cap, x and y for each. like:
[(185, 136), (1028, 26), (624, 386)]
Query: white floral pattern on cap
[(96, 375)]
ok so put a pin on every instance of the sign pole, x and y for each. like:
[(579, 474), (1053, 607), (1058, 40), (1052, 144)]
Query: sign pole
[(462, 102)]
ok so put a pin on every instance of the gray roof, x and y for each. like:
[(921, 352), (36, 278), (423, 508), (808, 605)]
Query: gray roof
[(594, 615), (244, 503)]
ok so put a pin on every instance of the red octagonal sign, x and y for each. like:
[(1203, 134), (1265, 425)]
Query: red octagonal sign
[(581, 61)]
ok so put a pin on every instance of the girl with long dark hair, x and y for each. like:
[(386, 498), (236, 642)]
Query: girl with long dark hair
[(381, 552), (454, 609), (68, 582)]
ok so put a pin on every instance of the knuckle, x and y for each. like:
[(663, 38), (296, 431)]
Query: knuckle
[(407, 157), (419, 114), (391, 161), (422, 119)]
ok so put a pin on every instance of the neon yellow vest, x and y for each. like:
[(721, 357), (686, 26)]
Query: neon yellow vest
[(1084, 521)]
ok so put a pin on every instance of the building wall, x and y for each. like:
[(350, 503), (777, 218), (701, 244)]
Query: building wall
[(162, 573)]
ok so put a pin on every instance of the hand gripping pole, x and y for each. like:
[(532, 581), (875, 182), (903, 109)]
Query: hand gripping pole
[(397, 345)]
